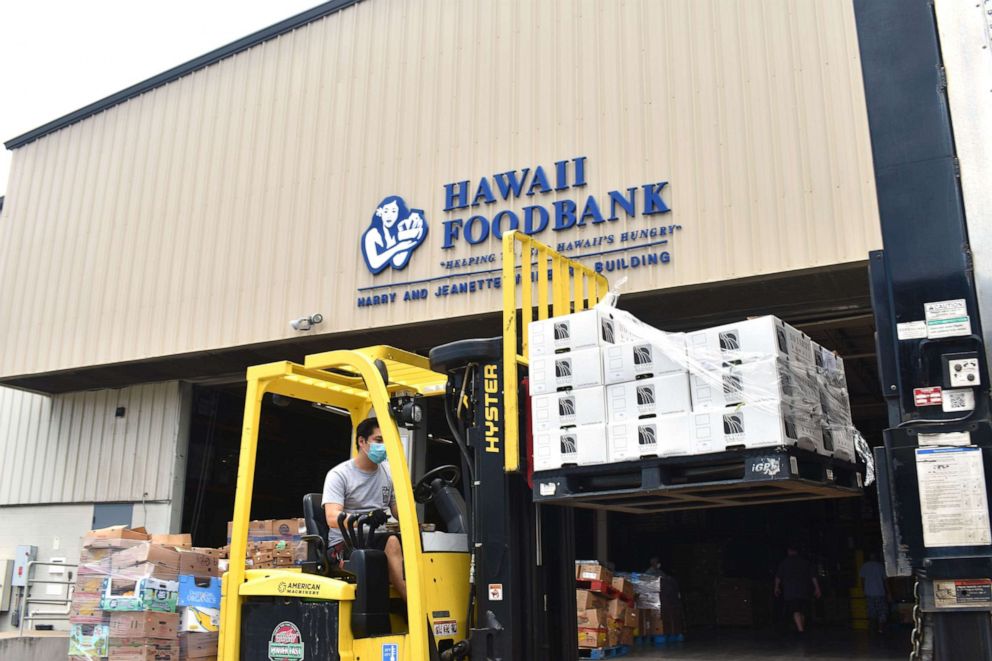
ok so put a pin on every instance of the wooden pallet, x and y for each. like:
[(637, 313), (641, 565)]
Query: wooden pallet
[(724, 479), (603, 652)]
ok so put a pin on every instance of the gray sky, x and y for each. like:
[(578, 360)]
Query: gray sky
[(57, 56)]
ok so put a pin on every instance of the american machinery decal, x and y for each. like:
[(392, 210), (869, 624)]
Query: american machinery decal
[(286, 643), (628, 228)]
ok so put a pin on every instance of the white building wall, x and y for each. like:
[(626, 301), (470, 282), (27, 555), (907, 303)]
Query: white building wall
[(61, 456), (73, 448)]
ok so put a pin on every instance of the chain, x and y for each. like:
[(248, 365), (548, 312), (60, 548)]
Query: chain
[(917, 636)]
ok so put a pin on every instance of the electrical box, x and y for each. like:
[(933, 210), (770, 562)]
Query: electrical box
[(22, 556), (6, 569), (961, 370)]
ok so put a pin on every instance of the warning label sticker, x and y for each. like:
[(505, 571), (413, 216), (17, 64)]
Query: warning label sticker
[(947, 318), (929, 396)]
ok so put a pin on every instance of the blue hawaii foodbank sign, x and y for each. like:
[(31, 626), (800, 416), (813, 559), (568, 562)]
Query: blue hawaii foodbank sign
[(473, 216)]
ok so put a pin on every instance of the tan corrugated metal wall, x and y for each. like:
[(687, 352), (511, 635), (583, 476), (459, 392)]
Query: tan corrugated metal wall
[(209, 212), (72, 448)]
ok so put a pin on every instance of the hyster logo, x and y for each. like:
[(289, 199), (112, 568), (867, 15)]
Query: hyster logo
[(393, 234), (286, 643), (491, 402)]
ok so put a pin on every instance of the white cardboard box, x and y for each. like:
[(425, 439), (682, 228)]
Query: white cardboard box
[(755, 339), (662, 436), (765, 380), (838, 440), (585, 406), (571, 332), (633, 360), (826, 360), (757, 426), (668, 393), (583, 445), (582, 368)]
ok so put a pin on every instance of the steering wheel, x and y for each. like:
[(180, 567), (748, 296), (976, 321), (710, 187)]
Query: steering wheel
[(422, 492)]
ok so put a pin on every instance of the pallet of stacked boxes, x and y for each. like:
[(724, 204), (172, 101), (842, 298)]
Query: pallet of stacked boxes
[(199, 604), (647, 598), (128, 596), (607, 388), (274, 543), (606, 615), (132, 615)]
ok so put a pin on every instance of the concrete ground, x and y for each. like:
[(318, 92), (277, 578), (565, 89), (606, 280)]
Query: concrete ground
[(42, 646), (817, 645)]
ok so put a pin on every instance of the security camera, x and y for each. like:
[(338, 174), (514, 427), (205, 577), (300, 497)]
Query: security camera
[(306, 323)]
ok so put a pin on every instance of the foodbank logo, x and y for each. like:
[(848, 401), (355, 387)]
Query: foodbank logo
[(286, 643), (393, 234)]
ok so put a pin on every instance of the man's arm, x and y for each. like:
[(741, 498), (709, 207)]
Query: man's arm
[(331, 511), (392, 508), (778, 586), (816, 588)]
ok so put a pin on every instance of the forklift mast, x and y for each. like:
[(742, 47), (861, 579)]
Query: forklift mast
[(523, 557), (936, 460)]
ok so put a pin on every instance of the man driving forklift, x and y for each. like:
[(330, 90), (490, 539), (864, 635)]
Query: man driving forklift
[(359, 485)]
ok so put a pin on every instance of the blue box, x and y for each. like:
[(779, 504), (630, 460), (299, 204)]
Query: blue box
[(200, 592)]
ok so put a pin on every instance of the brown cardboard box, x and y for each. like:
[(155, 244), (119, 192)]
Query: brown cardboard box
[(144, 624), (612, 636), (143, 649), (118, 532), (627, 636), (184, 540), (193, 563), (146, 552), (584, 600), (213, 553), (632, 618), (591, 638), (616, 608), (592, 618), (260, 529), (85, 604), (197, 645), (653, 623), (288, 528), (593, 573), (624, 586), (89, 581)]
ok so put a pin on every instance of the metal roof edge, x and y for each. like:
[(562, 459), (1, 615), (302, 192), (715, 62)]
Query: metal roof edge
[(197, 63)]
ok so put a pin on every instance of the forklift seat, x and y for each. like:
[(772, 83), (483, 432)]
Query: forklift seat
[(318, 558), (455, 355)]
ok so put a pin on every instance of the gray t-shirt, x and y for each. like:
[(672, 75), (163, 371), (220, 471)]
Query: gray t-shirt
[(357, 491)]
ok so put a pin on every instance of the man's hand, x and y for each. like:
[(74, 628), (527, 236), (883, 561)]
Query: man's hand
[(817, 593), (778, 591)]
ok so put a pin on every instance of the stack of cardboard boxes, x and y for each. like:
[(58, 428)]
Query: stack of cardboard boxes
[(606, 618), (607, 388), (125, 604), (274, 543), (647, 596)]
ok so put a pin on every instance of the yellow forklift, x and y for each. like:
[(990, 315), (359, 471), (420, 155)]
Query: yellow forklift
[(484, 588)]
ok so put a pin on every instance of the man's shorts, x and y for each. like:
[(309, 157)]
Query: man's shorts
[(878, 608), (797, 606), (378, 542)]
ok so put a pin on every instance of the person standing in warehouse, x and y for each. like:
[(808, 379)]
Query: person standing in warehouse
[(876, 591), (360, 485), (796, 583)]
